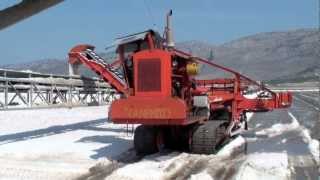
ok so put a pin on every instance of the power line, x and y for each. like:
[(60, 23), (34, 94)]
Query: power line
[(149, 13)]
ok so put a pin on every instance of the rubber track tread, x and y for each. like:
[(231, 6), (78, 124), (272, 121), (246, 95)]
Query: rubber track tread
[(207, 137)]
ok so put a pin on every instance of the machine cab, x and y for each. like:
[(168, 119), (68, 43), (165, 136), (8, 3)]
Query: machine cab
[(152, 72), (146, 66)]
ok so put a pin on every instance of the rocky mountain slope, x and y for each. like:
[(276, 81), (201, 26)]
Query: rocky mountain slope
[(50, 66), (285, 56), (266, 56)]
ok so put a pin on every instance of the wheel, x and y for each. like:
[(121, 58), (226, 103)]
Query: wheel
[(148, 140), (176, 137), (144, 140), (207, 138)]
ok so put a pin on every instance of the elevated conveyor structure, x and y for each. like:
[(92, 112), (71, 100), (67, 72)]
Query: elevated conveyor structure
[(84, 54), (25, 90)]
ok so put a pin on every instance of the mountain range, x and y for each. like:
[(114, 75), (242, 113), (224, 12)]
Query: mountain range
[(272, 56)]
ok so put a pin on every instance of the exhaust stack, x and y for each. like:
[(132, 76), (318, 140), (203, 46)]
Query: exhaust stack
[(169, 37)]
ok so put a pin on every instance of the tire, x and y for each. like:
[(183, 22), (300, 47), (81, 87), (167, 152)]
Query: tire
[(176, 137), (145, 140), (208, 137)]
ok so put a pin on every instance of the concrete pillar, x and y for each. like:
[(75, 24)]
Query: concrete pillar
[(73, 69)]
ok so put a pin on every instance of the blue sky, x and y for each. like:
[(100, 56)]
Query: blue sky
[(52, 33)]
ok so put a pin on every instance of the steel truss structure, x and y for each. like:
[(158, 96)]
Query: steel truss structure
[(20, 90)]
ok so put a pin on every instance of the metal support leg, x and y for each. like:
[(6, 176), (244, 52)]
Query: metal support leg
[(6, 89)]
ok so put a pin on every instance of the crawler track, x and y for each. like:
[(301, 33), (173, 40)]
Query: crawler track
[(208, 137)]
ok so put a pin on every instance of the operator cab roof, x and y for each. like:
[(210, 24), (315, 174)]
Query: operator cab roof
[(136, 37), (137, 41)]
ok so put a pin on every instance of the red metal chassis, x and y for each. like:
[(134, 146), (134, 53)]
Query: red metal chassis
[(159, 108)]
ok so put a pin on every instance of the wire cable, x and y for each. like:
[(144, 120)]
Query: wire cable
[(149, 13)]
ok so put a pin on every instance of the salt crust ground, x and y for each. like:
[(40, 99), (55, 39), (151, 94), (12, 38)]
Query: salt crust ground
[(65, 143)]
